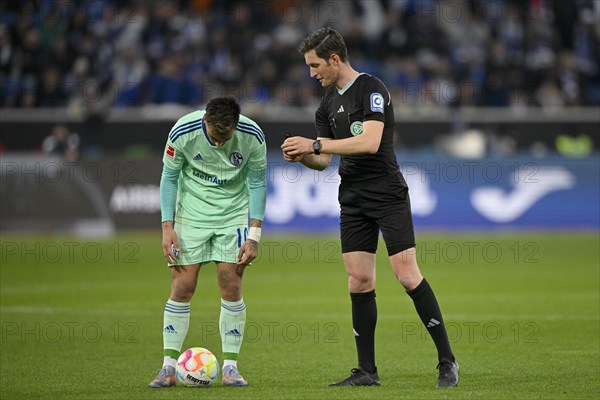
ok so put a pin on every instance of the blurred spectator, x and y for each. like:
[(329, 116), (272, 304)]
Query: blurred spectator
[(51, 89), (129, 72), (95, 54), (496, 87), (63, 143), (569, 79), (548, 95), (6, 51), (171, 86)]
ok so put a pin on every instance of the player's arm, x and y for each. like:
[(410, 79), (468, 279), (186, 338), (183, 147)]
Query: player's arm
[(168, 197), (257, 190), (173, 161)]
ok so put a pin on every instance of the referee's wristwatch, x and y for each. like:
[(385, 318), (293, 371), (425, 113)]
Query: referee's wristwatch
[(317, 147)]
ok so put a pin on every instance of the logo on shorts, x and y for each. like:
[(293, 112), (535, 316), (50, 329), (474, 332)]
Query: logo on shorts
[(376, 102), (356, 128), (236, 158)]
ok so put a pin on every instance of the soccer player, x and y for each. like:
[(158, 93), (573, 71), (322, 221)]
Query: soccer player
[(215, 171), (356, 120)]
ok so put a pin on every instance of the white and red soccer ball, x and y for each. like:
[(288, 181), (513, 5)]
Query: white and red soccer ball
[(197, 367)]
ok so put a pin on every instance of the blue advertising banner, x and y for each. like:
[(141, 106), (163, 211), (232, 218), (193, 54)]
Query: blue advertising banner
[(46, 193), (447, 193)]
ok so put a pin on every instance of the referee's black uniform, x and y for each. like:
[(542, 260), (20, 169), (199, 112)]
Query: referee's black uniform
[(373, 194)]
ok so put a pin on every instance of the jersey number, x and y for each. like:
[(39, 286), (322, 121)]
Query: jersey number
[(239, 232)]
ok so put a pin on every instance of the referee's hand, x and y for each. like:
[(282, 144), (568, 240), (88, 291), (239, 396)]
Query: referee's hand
[(290, 158), (286, 147)]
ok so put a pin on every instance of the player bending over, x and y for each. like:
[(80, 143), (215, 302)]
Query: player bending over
[(214, 177)]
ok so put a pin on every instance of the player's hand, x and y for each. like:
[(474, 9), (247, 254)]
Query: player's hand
[(247, 253), (169, 242), (296, 146)]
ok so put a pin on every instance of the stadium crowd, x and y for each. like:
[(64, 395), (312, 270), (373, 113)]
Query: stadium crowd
[(115, 53)]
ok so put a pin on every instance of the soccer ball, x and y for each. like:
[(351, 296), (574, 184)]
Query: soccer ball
[(197, 367)]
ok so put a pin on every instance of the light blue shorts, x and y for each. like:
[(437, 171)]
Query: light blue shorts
[(202, 245)]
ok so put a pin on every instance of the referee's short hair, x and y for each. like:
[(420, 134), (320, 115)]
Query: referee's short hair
[(222, 114), (325, 42)]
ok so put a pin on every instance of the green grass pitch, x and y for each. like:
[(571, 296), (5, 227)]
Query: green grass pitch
[(83, 320)]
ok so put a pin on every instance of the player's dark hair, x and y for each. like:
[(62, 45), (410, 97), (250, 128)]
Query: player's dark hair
[(222, 114), (325, 42)]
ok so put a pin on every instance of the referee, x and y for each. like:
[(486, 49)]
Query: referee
[(356, 120)]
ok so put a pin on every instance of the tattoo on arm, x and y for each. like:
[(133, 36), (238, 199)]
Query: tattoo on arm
[(253, 245)]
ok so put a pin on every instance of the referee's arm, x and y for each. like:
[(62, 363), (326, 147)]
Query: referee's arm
[(300, 149), (293, 152), (318, 162), (367, 143)]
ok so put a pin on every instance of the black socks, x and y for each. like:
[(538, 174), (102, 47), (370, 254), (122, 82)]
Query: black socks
[(364, 319), (429, 312)]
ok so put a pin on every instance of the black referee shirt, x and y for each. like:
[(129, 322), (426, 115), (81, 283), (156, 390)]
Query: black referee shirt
[(341, 114)]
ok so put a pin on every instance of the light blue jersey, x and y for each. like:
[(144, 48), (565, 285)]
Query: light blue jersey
[(212, 189)]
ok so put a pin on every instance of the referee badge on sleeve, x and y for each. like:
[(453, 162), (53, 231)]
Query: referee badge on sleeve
[(376, 102), (356, 128)]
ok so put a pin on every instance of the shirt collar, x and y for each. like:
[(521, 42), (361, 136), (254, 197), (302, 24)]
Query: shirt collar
[(206, 134), (347, 86)]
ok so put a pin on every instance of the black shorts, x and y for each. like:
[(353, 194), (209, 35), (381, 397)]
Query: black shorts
[(367, 208)]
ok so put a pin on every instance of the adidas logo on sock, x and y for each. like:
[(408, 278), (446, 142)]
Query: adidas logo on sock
[(170, 329), (433, 322), (234, 332)]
